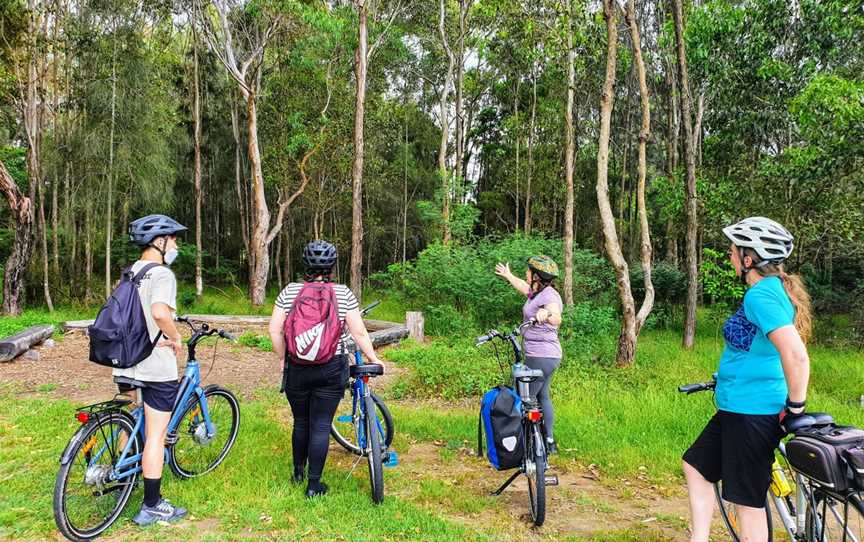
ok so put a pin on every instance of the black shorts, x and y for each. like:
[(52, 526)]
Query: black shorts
[(739, 450), (157, 395)]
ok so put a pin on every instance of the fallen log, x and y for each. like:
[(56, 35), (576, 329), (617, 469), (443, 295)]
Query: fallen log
[(14, 346)]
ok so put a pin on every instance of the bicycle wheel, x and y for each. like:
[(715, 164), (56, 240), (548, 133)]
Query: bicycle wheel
[(535, 471), (730, 515), (830, 519), (86, 499), (343, 430), (374, 444), (196, 453)]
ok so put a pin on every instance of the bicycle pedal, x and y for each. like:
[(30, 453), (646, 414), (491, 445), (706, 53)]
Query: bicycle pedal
[(391, 459), (345, 419), (551, 480)]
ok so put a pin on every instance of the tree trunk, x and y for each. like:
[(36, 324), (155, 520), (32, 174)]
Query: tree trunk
[(672, 129), (109, 216), (445, 125), (531, 128), (261, 214), (405, 197), (88, 252), (238, 177), (627, 339), (644, 134), (460, 114), (570, 144), (15, 270), (518, 141), (692, 203), (360, 64), (196, 122), (46, 287)]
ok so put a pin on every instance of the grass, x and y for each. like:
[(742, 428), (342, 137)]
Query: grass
[(249, 496), (629, 423)]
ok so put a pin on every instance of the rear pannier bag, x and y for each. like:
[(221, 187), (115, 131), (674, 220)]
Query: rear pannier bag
[(855, 461), (820, 454), (501, 422)]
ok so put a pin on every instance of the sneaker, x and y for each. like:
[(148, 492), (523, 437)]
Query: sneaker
[(163, 511), (551, 447), (316, 492)]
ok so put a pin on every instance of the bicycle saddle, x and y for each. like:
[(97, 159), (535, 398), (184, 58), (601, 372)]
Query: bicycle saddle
[(126, 381), (368, 369), (527, 375)]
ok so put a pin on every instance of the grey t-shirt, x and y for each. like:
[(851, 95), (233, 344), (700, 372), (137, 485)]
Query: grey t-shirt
[(157, 286)]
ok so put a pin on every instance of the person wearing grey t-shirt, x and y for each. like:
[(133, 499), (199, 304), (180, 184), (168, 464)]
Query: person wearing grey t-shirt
[(156, 375), (540, 342)]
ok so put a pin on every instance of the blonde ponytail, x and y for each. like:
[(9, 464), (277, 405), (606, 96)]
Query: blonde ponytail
[(800, 299)]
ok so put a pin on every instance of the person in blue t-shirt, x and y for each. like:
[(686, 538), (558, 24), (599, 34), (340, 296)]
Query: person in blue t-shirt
[(762, 378)]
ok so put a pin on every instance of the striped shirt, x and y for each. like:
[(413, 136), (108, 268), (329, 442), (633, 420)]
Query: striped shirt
[(345, 299)]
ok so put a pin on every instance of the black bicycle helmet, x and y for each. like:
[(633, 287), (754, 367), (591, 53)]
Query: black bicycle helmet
[(319, 256), (144, 230)]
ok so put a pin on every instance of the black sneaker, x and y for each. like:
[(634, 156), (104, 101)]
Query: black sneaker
[(551, 447), (321, 489), (163, 511)]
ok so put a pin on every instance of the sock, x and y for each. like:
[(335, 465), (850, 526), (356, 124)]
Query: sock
[(151, 491)]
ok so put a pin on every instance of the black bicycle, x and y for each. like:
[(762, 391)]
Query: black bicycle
[(534, 460)]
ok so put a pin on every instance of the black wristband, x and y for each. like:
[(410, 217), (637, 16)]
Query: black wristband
[(795, 404)]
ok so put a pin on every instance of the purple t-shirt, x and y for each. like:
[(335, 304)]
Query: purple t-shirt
[(541, 341)]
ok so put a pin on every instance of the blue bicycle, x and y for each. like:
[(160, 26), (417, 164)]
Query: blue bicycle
[(100, 466), (361, 433)]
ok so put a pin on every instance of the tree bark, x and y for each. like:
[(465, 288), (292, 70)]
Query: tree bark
[(445, 124), (692, 203), (531, 128), (46, 287), (15, 270), (569, 145), (627, 338), (672, 130), (261, 213), (196, 122), (644, 134), (518, 142), (238, 177), (360, 65), (109, 215)]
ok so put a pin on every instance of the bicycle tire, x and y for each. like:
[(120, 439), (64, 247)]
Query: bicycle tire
[(832, 524), (374, 454), (730, 517), (536, 475), (190, 442), (349, 442), (87, 437)]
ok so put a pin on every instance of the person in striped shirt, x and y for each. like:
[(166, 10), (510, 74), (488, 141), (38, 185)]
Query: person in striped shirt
[(314, 391)]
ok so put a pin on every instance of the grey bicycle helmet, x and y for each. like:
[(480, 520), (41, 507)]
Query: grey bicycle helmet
[(319, 255), (145, 229), (771, 241)]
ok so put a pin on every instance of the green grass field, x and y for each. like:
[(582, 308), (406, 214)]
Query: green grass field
[(627, 423)]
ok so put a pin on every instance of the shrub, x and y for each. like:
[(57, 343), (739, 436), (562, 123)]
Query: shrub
[(457, 287)]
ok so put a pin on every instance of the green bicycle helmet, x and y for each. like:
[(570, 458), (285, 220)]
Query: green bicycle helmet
[(544, 266)]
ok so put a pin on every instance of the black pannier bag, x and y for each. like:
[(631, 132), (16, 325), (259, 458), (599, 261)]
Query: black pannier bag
[(819, 454), (855, 461)]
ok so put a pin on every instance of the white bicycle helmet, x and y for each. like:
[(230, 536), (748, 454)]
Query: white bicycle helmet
[(771, 241)]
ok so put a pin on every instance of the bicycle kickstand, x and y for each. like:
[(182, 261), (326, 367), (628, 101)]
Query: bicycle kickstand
[(507, 483)]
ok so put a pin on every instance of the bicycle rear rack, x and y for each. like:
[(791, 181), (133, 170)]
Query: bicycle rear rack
[(83, 414)]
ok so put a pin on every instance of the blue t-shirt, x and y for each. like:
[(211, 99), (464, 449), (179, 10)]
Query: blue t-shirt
[(750, 379)]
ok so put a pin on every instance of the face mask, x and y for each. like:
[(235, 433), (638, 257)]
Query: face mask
[(170, 256)]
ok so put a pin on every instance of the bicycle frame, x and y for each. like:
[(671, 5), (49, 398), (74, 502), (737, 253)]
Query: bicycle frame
[(190, 384), (360, 390)]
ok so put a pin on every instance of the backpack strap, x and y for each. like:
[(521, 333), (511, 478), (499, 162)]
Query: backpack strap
[(136, 280)]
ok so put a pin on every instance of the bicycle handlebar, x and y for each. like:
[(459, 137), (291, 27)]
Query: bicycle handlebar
[(495, 334), (366, 310), (204, 330), (695, 388)]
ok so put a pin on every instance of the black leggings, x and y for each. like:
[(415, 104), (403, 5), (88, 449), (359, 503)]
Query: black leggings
[(314, 392)]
